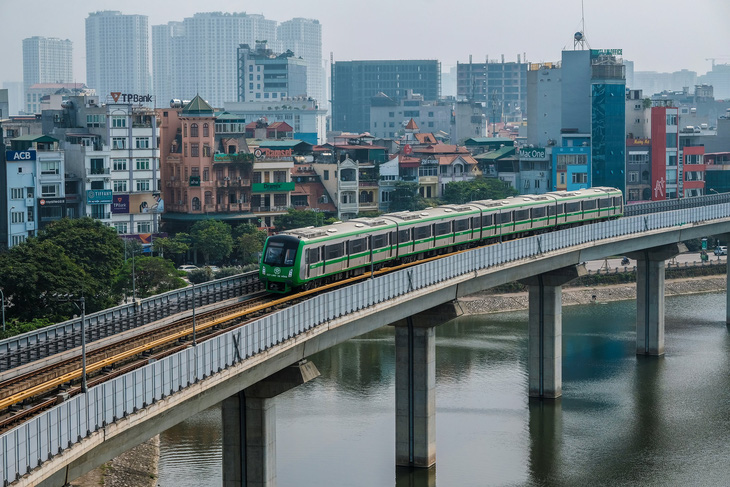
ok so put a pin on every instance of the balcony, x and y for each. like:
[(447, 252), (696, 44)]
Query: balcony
[(233, 183), (368, 184), (233, 208), (98, 171), (269, 209), (209, 208)]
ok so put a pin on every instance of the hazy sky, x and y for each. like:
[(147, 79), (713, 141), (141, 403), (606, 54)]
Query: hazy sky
[(658, 35)]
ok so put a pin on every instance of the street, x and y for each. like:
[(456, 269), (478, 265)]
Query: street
[(688, 257)]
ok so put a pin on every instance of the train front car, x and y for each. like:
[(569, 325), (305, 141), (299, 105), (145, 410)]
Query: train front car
[(279, 263)]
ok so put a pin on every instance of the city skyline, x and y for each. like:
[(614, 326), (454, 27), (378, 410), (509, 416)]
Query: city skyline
[(650, 33)]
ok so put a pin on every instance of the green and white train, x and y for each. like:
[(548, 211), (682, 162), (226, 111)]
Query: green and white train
[(308, 257)]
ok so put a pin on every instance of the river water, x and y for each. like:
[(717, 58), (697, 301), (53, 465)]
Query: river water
[(622, 420)]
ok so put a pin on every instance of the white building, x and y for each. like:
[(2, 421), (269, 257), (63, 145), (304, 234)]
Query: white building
[(389, 175), (203, 53), (45, 60), (304, 38), (308, 121), (117, 53)]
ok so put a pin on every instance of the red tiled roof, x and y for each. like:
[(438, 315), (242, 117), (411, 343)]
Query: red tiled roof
[(356, 147), (426, 138), (412, 125)]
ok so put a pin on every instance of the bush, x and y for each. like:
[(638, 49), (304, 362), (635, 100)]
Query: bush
[(199, 276)]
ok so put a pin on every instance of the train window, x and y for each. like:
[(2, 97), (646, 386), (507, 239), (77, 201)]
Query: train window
[(539, 212), (476, 223), (358, 245), (604, 203), (280, 253), (380, 241), (461, 225), (422, 232), (505, 217), (572, 207), (313, 255), (487, 220), (442, 228), (404, 235), (617, 201), (522, 215), (560, 209), (589, 204), (334, 251), (552, 210)]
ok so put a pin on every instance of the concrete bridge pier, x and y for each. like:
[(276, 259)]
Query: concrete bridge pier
[(650, 297), (249, 428), (545, 331), (415, 385)]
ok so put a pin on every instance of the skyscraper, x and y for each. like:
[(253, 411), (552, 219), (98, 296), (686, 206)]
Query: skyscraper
[(45, 60), (354, 83), (202, 53), (117, 53), (304, 38), (163, 38)]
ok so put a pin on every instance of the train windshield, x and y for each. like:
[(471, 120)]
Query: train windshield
[(280, 253)]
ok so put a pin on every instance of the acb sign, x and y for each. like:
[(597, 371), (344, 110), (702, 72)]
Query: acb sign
[(20, 155)]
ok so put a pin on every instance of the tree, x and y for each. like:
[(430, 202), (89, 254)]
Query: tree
[(152, 275), (249, 242), (38, 278), (299, 219), (478, 189), (405, 197), (212, 238), (96, 249), (172, 248)]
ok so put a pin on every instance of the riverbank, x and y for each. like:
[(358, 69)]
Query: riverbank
[(134, 468), (494, 302)]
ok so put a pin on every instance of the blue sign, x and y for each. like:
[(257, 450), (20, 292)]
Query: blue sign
[(120, 203), (98, 196), (20, 155)]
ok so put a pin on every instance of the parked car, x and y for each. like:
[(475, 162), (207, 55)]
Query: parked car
[(213, 268), (187, 268), (721, 250)]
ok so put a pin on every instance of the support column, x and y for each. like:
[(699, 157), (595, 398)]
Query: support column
[(415, 385), (650, 264), (249, 428), (545, 331)]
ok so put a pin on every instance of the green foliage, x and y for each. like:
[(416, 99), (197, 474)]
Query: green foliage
[(199, 276), (249, 241), (212, 238), (172, 248), (228, 272), (646, 102), (36, 276), (405, 197), (478, 189), (369, 214), (152, 275), (16, 327), (299, 219)]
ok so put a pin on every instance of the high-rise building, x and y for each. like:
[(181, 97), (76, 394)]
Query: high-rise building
[(163, 37), (264, 75), (45, 60), (304, 38), (501, 85), (202, 53), (354, 83), (543, 104), (117, 54)]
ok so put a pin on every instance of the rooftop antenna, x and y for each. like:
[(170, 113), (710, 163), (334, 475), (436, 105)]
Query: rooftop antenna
[(580, 37)]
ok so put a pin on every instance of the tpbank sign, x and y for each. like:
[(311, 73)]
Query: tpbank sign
[(20, 155)]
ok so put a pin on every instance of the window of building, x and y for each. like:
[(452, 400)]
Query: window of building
[(391, 114), (672, 160), (144, 227), (96, 166), (206, 150), (142, 184), (185, 130), (195, 172), (326, 175), (196, 204), (633, 176), (121, 227), (671, 120), (98, 184), (119, 164), (671, 140), (17, 217), (120, 186), (194, 150), (119, 121), (580, 178), (94, 121), (18, 239), (562, 178), (16, 193), (257, 177), (119, 142), (49, 190), (142, 142), (280, 199), (206, 174), (193, 130), (279, 176), (51, 167), (142, 164), (206, 130)]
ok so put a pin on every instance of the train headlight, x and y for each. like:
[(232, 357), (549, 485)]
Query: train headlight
[(291, 271), (263, 270)]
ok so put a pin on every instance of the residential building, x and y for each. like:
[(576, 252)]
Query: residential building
[(500, 85), (117, 54), (4, 104), (304, 38), (389, 173), (638, 169), (263, 75), (717, 172), (543, 100), (341, 180), (303, 114), (16, 97), (45, 60), (203, 55), (469, 121), (354, 83), (534, 169), (389, 116), (39, 95), (572, 162), (638, 115), (664, 153)]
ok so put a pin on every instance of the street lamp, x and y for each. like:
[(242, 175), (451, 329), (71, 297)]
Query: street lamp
[(10, 222), (712, 190), (194, 344), (83, 344), (2, 296)]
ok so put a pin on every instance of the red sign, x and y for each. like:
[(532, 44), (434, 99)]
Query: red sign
[(272, 154), (407, 150)]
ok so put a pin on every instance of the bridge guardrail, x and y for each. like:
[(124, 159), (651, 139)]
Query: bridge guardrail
[(26, 446)]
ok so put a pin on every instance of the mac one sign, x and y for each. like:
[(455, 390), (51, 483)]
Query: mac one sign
[(20, 155)]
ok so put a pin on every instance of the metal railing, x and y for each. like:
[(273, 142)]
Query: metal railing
[(48, 434)]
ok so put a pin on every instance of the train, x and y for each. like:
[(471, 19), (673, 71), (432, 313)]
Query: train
[(308, 257)]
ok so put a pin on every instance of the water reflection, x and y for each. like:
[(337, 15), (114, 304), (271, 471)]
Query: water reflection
[(622, 420)]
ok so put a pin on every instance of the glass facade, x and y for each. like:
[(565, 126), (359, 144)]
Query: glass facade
[(608, 134)]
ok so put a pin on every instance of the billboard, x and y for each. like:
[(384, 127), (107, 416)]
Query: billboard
[(20, 155), (136, 203), (98, 196)]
